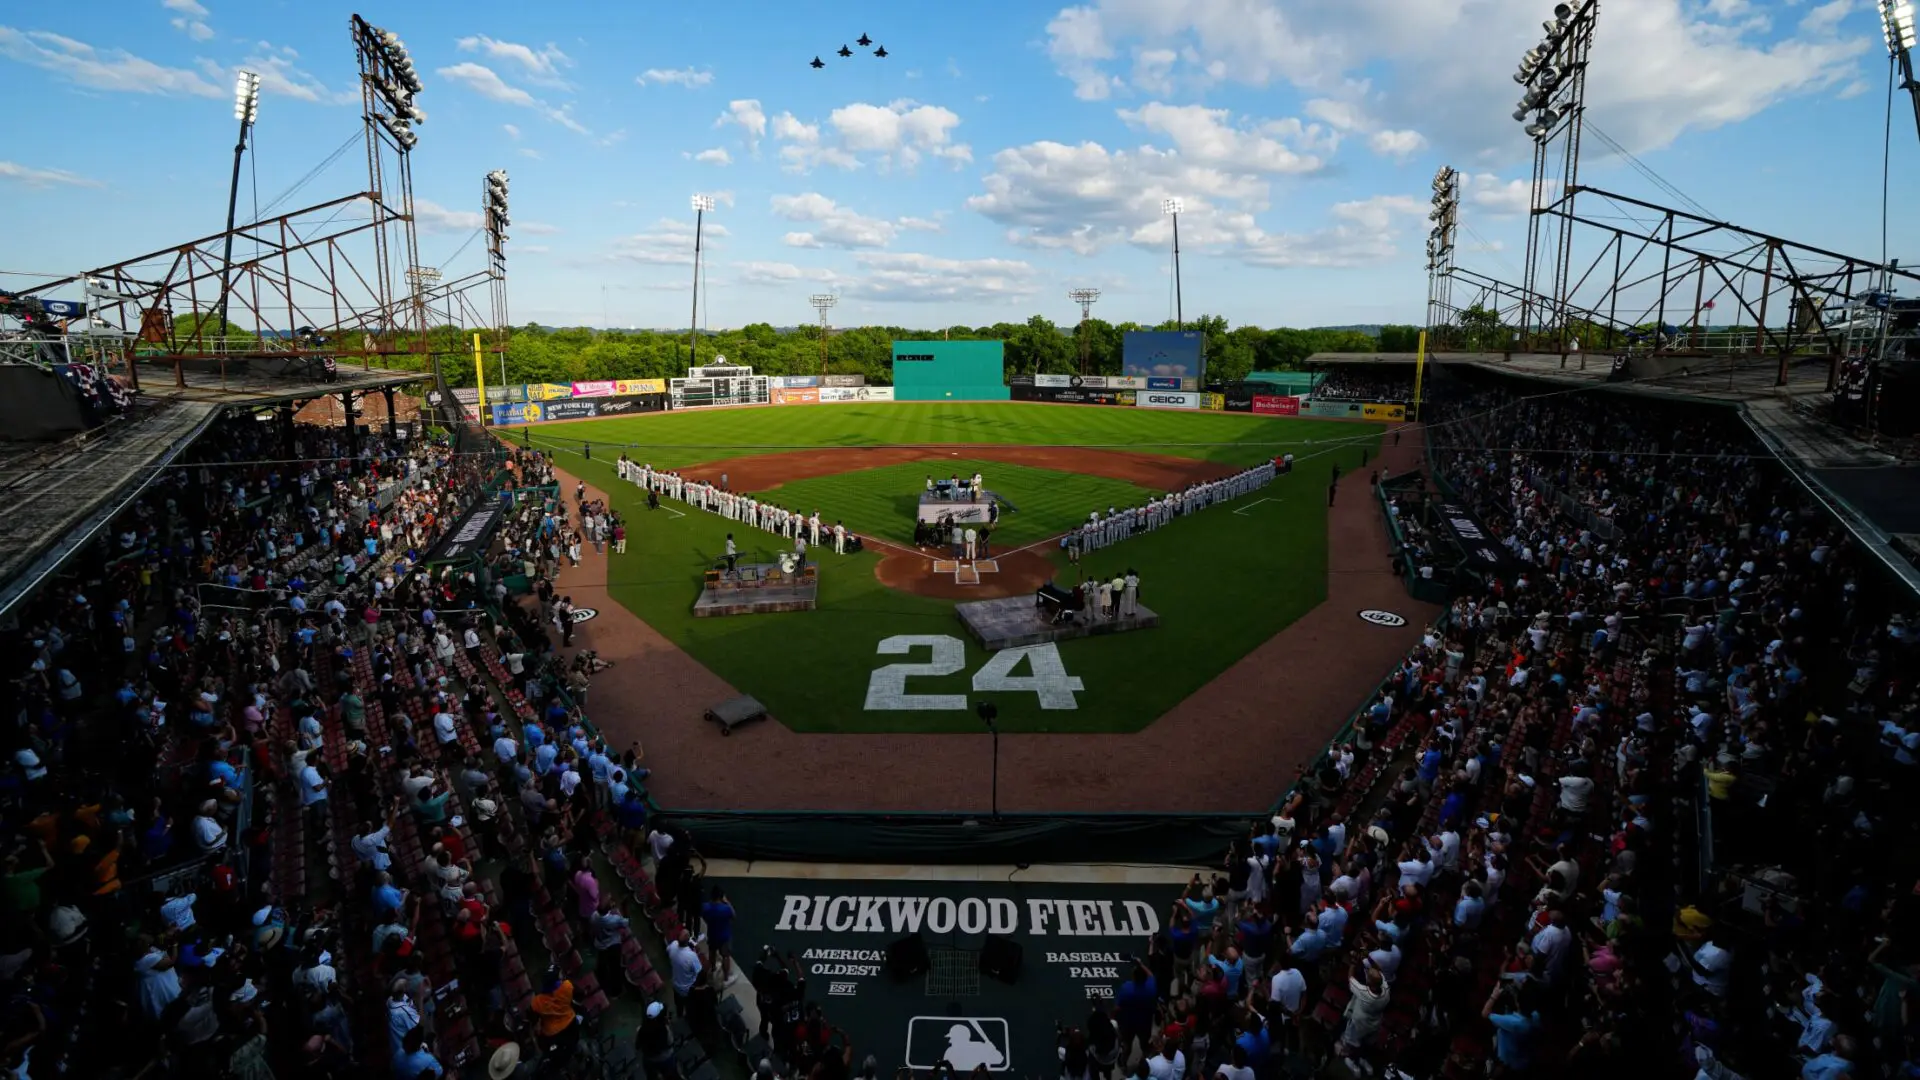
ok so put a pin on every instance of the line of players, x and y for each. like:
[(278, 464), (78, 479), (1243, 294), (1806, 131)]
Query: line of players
[(1101, 532), (802, 529)]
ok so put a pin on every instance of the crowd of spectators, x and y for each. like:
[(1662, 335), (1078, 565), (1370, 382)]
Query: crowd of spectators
[(232, 674), (1383, 384)]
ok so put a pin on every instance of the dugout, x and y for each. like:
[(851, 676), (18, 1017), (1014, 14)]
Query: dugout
[(949, 371)]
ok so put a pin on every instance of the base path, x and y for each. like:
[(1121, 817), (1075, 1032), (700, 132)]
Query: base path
[(1231, 746), (902, 567)]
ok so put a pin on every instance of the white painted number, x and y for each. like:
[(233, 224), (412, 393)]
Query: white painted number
[(887, 688), (1049, 681)]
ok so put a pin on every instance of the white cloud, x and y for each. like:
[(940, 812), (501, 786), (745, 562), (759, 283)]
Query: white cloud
[(668, 243), (1153, 70), (431, 217), (513, 132), (32, 177), (1497, 197), (192, 20), (900, 132), (788, 129), (686, 77), (909, 278), (716, 156), (279, 75), (529, 152), (1363, 233), (778, 273), (834, 225), (747, 115), (1397, 144), (1666, 66), (920, 224), (486, 82), (101, 69), (1203, 135), (1825, 19), (540, 65), (1077, 41)]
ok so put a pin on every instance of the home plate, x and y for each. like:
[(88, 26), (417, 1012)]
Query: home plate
[(966, 575)]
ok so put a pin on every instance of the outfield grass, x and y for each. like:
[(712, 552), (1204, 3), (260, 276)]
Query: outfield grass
[(884, 502), (688, 437), (1224, 580)]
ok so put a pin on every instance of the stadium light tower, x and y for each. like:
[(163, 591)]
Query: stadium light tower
[(1897, 23), (1172, 208), (246, 109), (701, 204), (1085, 298), (821, 302)]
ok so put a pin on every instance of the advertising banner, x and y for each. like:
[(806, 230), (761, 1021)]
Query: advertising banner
[(1334, 410), (1214, 402), (1128, 382), (843, 380), (1165, 353), (470, 537), (1377, 411), (795, 396), (856, 393), (1019, 380), (509, 414), (631, 404), (793, 382), (1058, 382), (1051, 951), (1239, 404), (1169, 399), (500, 395), (1475, 541), (548, 392), (603, 388), (1271, 405), (628, 387), (1161, 382)]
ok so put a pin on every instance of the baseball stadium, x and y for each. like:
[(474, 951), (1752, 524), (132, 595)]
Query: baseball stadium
[(401, 689)]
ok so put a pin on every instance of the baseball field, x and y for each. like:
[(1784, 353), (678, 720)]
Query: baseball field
[(884, 651)]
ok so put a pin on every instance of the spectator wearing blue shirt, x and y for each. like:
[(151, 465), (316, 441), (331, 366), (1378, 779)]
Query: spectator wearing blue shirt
[(1333, 920), (1255, 932), (1470, 908), (414, 1060), (1310, 944), (388, 898), (1835, 1064), (1134, 1007), (718, 914), (1232, 967), (1513, 1030), (1254, 1043), (1200, 900)]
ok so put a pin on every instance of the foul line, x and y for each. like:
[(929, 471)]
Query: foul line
[(1253, 504)]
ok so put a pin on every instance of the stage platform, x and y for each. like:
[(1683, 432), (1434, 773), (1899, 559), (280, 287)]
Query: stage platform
[(1019, 620), (756, 589)]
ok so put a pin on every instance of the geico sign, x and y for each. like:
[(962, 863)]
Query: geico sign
[(1170, 401), (1167, 399)]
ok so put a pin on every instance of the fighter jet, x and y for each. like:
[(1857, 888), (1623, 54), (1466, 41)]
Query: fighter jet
[(881, 51), (865, 41), (817, 63), (844, 51)]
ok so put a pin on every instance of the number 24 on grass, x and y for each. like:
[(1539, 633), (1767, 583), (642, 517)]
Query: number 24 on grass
[(1048, 681)]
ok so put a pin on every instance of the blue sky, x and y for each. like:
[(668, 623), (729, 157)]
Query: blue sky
[(1000, 155)]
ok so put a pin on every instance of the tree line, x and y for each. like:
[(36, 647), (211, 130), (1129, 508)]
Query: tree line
[(538, 354)]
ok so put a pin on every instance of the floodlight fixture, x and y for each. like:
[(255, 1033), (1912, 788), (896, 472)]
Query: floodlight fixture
[(246, 97), (1897, 24), (1173, 206), (702, 203)]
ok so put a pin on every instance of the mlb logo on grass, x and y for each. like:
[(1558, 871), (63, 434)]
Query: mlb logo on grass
[(964, 1042)]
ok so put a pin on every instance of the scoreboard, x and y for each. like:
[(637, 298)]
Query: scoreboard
[(718, 384)]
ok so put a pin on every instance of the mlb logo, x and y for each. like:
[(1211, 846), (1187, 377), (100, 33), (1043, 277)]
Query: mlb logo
[(963, 1042)]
